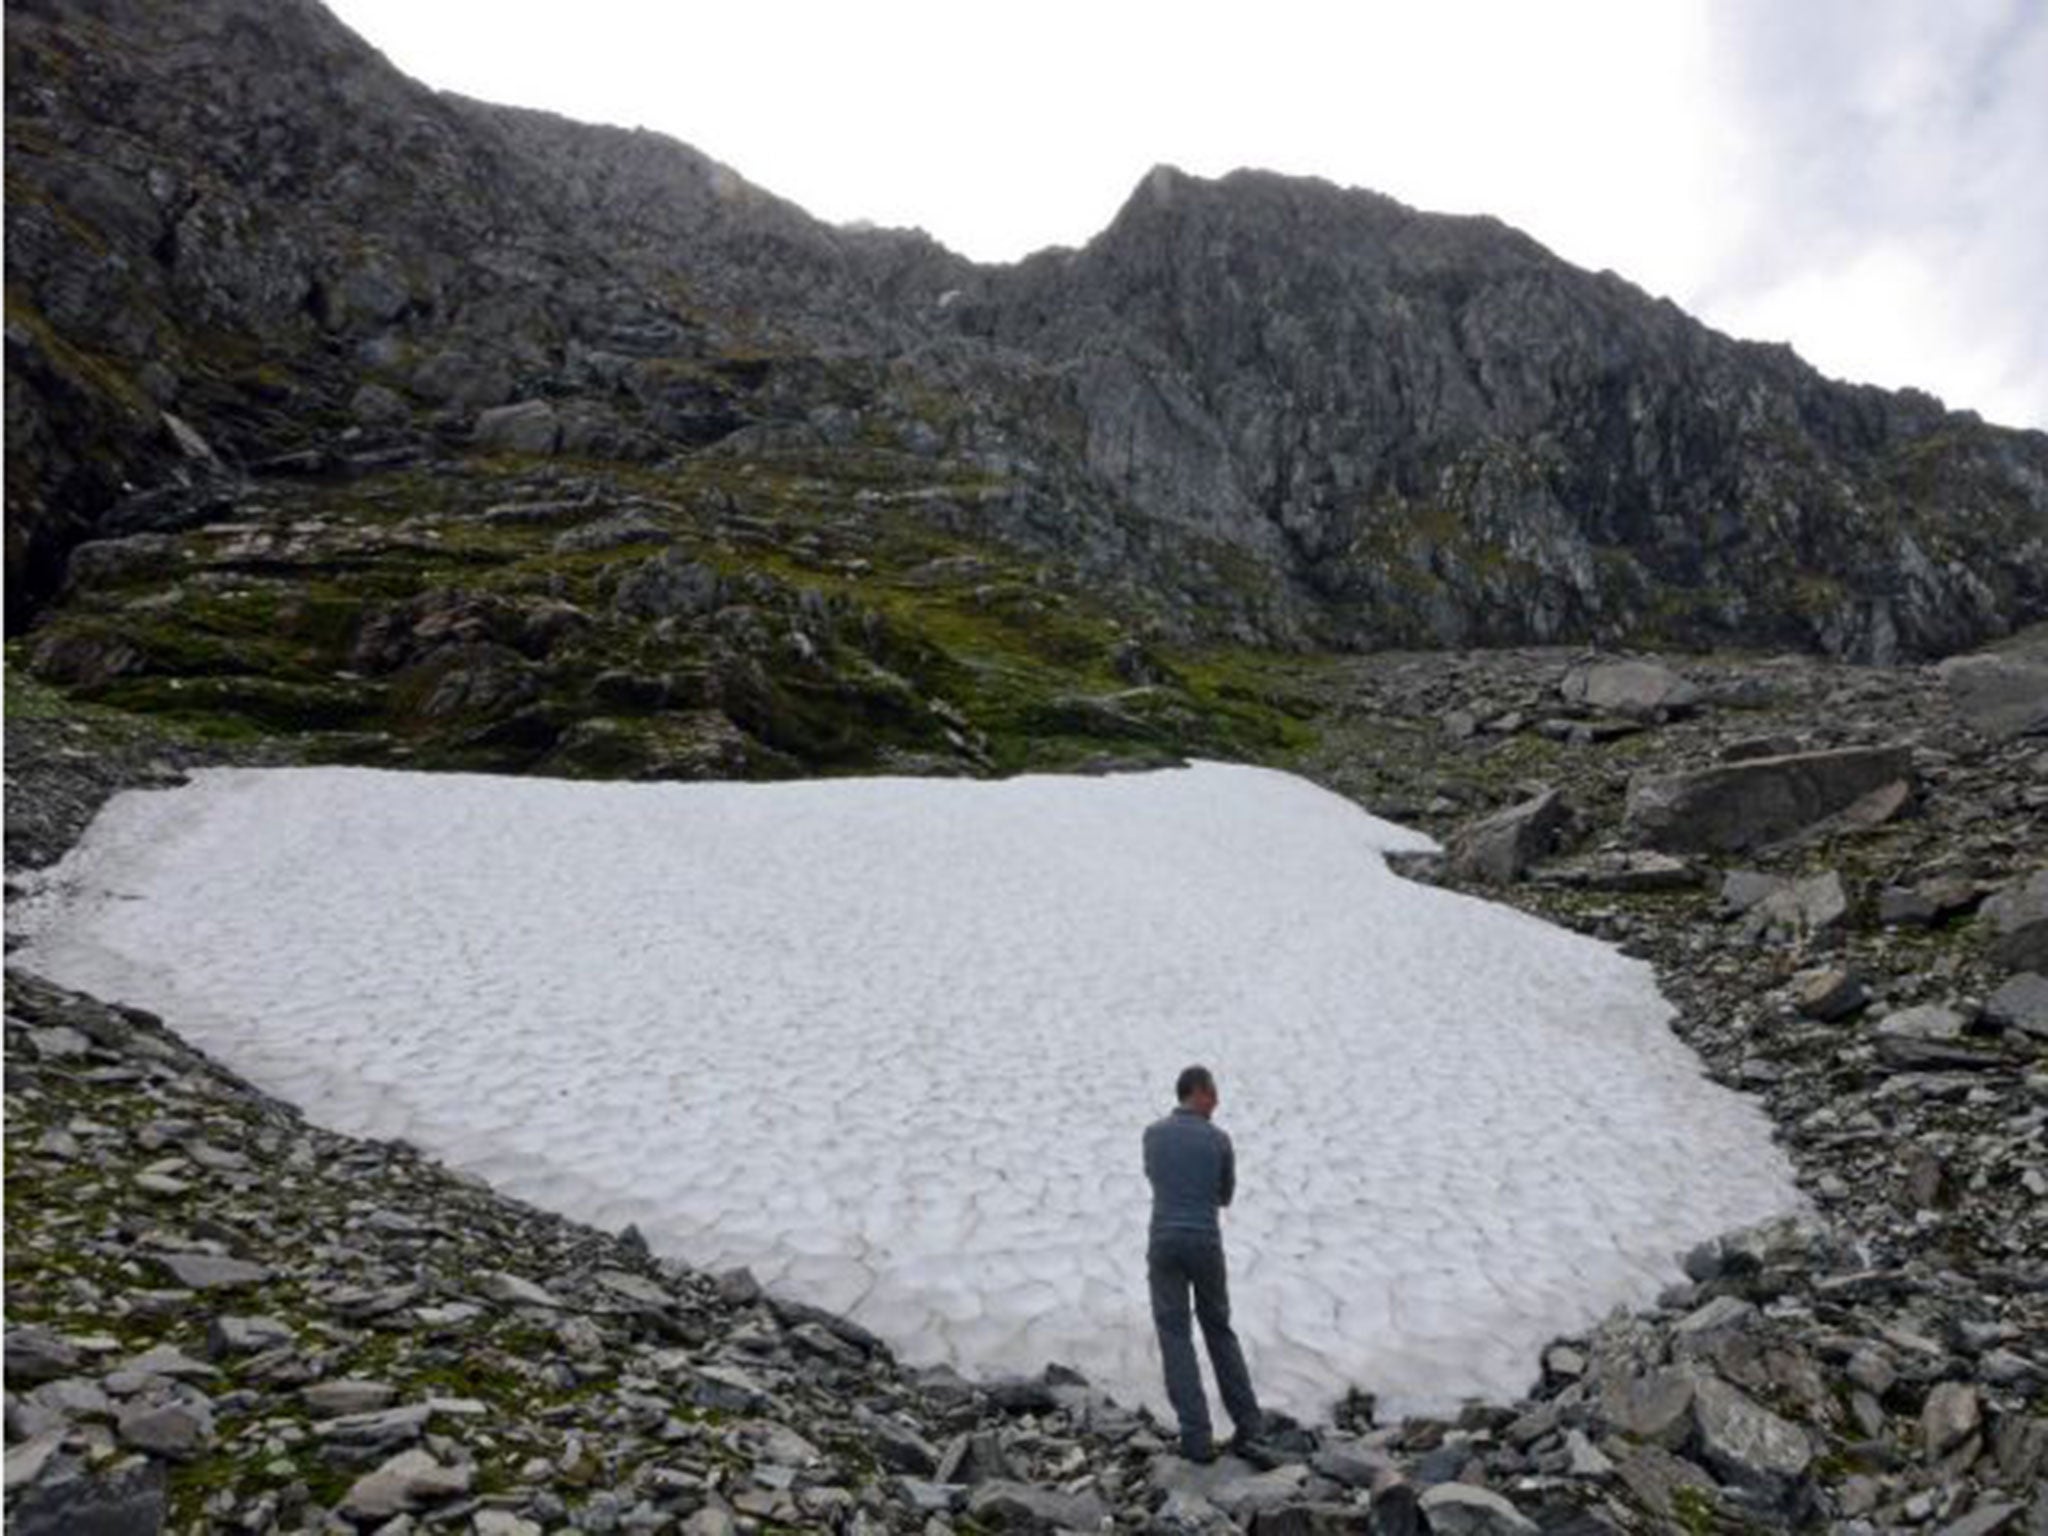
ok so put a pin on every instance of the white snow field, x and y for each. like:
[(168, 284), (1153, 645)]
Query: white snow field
[(892, 1044)]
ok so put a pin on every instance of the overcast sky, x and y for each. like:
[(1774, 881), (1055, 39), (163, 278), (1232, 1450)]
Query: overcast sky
[(1867, 179)]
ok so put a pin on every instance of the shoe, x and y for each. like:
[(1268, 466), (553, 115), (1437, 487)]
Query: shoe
[(1250, 1448), (1201, 1455)]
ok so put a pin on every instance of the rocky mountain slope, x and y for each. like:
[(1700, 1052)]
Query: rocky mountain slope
[(347, 421), (242, 249), (224, 1318)]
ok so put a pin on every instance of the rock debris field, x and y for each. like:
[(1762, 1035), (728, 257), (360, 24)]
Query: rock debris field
[(890, 1044)]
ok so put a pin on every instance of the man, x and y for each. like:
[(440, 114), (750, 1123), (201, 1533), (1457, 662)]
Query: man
[(1193, 1172)]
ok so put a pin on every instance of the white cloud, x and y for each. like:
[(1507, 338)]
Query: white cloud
[(1761, 164), (1890, 163)]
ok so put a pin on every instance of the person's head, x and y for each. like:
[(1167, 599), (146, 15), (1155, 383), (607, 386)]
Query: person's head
[(1196, 1090)]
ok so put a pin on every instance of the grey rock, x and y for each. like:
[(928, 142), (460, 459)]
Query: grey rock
[(245, 1335), (1347, 1462), (1460, 1509), (581, 1336), (1749, 748), (627, 528), (75, 1397), (113, 562), (1720, 1315), (975, 1458), (901, 1449), (1926, 904), (637, 1289), (1232, 1485), (1829, 994), (929, 1497), (379, 1429), (1800, 909), (2018, 913), (1926, 1038), (1500, 848), (669, 585), (462, 380), (1313, 1520), (1013, 1394), (1951, 1415), (1584, 1458), (1565, 1361), (169, 1361), (1747, 1446), (1008, 1506), (1627, 870), (59, 1044), (410, 1480), (211, 1272), (1241, 1492), (27, 1461), (1187, 1513), (1639, 689), (738, 1288), (514, 1291), (188, 440), (2004, 697), (727, 1388), (35, 1355), (329, 1399), (1396, 1511), (1737, 806), (1990, 1516), (1654, 1407), (375, 406), (1662, 1481), (529, 426), (1871, 1371), (173, 1429), (127, 1499), (2021, 1002)]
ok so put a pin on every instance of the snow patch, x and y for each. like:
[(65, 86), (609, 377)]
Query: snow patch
[(892, 1044)]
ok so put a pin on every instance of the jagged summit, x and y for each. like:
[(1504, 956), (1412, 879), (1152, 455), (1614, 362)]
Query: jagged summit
[(1270, 407)]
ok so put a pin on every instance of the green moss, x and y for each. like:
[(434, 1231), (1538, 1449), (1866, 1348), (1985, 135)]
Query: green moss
[(259, 637), (94, 373), (1696, 1510)]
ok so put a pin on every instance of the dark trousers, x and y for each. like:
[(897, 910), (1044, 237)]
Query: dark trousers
[(1179, 1264)]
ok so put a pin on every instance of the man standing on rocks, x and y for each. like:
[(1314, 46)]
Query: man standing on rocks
[(1194, 1172)]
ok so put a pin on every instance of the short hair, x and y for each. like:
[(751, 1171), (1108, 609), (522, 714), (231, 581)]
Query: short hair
[(1192, 1081)]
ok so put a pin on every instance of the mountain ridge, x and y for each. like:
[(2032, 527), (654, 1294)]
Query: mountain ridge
[(1392, 426)]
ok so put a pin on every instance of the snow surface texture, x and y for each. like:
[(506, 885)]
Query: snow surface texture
[(891, 1043)]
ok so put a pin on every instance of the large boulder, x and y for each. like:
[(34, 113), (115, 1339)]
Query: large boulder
[(1641, 690), (1499, 849), (1735, 806), (2001, 696)]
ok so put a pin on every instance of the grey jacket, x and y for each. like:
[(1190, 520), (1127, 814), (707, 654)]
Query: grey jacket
[(1193, 1170)]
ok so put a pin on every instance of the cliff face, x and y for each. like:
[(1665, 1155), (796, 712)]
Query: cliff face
[(1257, 407), (1461, 437)]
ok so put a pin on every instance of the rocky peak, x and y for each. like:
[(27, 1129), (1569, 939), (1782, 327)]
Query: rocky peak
[(1272, 408)]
